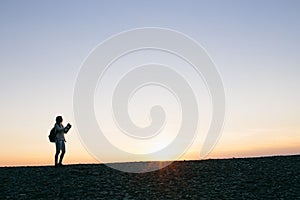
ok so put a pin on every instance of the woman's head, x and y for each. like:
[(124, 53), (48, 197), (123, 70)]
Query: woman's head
[(59, 119)]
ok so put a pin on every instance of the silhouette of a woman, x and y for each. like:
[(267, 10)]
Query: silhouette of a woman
[(60, 140)]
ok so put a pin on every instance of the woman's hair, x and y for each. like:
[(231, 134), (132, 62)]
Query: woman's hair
[(59, 119)]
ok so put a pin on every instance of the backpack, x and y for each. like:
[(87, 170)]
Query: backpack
[(52, 135)]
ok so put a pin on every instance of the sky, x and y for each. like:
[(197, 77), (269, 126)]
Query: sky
[(254, 44)]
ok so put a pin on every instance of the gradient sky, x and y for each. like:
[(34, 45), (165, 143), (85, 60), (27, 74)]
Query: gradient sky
[(255, 45)]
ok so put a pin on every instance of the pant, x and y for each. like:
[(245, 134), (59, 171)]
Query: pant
[(60, 146)]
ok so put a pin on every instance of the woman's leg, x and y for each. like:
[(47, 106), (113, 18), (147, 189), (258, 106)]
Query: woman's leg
[(57, 144), (63, 151)]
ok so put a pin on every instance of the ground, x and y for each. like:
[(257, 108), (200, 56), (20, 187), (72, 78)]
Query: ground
[(248, 178)]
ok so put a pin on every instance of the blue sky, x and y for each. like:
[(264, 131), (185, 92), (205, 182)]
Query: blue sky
[(255, 45)]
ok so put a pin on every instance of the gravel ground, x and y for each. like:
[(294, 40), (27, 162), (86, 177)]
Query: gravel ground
[(248, 178)]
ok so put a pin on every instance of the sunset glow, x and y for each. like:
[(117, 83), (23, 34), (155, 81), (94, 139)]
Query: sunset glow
[(44, 45)]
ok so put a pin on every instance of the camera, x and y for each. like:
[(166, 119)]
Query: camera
[(68, 127)]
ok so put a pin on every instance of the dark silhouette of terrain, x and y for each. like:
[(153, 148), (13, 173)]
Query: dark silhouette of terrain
[(244, 178)]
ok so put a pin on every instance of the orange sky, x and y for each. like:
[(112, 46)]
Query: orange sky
[(42, 154)]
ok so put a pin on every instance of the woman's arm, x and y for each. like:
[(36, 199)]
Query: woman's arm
[(58, 128)]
